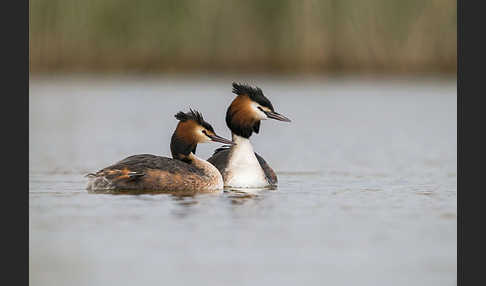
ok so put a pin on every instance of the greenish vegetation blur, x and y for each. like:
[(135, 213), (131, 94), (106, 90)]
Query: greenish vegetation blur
[(280, 36)]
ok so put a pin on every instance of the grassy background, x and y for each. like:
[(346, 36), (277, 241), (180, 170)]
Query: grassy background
[(306, 36)]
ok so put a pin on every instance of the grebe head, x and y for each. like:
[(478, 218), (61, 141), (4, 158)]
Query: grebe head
[(248, 109), (191, 130)]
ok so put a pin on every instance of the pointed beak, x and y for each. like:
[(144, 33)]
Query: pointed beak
[(216, 138), (277, 116)]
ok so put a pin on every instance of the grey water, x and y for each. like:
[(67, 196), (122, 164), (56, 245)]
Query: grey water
[(367, 185)]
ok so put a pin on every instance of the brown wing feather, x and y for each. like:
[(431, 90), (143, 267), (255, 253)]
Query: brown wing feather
[(220, 161), (146, 172)]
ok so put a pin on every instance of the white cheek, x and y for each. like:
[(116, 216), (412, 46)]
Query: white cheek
[(259, 114), (206, 140)]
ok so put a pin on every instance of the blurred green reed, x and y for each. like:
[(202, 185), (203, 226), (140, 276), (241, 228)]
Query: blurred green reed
[(253, 35)]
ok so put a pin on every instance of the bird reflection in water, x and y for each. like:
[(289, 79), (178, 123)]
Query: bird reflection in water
[(241, 196), (184, 203)]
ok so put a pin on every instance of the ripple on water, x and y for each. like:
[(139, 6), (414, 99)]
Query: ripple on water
[(367, 198)]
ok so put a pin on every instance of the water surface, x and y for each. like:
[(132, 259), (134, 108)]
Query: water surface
[(367, 185)]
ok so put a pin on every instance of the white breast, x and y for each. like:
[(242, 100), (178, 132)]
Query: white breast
[(243, 169)]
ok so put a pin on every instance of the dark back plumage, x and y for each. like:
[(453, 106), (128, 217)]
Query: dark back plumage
[(148, 173)]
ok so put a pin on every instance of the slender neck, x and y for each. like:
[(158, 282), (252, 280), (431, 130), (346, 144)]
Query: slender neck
[(242, 151), (243, 168), (242, 142), (181, 149)]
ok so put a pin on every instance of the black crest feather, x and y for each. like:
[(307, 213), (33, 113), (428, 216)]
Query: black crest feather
[(193, 115), (255, 93)]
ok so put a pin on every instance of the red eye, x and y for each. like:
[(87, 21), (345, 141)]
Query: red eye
[(261, 109)]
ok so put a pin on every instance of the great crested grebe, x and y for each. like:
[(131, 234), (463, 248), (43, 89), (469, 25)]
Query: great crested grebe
[(184, 173), (240, 166)]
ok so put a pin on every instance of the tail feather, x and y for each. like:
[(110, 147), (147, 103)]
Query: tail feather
[(112, 179)]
